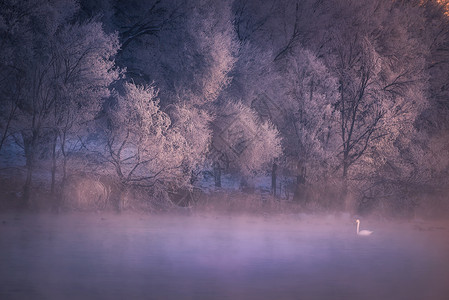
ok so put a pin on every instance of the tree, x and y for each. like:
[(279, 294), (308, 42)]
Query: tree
[(193, 52), (251, 18), (63, 69), (193, 125), (187, 48), (144, 147), (372, 74), (374, 50), (307, 119), (381, 75), (242, 143), (30, 30), (82, 70), (436, 36)]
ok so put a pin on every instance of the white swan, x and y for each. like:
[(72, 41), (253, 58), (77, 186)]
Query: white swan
[(362, 232)]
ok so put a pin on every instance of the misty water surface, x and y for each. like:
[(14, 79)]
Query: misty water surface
[(78, 256)]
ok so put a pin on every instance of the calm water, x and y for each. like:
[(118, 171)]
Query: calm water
[(202, 257)]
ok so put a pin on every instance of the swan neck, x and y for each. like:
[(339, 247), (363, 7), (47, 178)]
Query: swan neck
[(358, 224)]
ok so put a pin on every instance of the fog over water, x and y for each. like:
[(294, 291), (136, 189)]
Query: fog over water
[(129, 256)]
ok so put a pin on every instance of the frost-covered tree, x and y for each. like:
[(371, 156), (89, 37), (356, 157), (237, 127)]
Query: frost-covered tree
[(25, 28), (373, 52), (380, 68), (64, 70), (194, 126), (138, 144), (436, 36), (283, 82), (343, 82), (242, 143), (296, 93), (143, 145), (82, 68), (216, 48), (400, 172), (307, 121), (187, 48), (376, 51), (30, 28), (433, 123)]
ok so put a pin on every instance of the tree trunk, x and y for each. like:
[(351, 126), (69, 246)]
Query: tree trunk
[(54, 196), (53, 165), (246, 185), (11, 115), (217, 175), (344, 191), (300, 183), (27, 186), (30, 149), (121, 193), (345, 164), (64, 160), (60, 197), (344, 198), (273, 179)]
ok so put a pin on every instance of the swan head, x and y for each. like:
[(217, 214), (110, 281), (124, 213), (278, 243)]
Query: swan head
[(357, 221)]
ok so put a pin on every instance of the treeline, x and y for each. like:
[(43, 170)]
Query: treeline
[(348, 97)]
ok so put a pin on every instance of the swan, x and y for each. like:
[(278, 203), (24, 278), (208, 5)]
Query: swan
[(362, 232)]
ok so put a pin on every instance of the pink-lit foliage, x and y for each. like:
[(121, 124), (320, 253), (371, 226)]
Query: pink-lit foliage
[(193, 125), (242, 142), (216, 46), (140, 144), (147, 147)]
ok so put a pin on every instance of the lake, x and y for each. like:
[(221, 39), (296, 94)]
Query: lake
[(138, 256)]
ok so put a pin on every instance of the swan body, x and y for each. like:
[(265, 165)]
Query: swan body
[(362, 232)]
